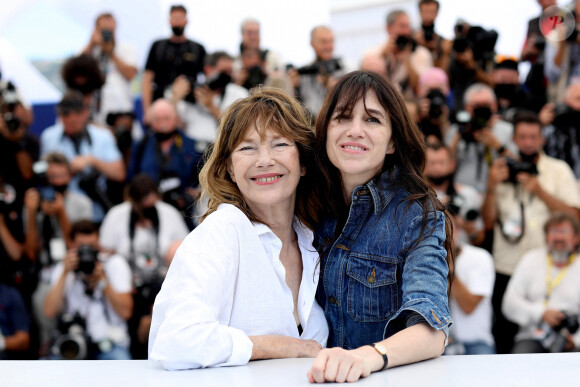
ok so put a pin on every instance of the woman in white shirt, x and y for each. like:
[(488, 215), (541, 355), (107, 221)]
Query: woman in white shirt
[(241, 286)]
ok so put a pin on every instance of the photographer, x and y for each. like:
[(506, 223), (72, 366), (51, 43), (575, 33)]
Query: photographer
[(542, 294), (439, 47), (405, 61), (519, 199), (91, 150), (118, 63), (562, 57), (511, 96), (211, 98), (98, 289), (562, 130), (479, 137), (146, 231), (170, 58), (433, 110), (169, 157), (18, 148), (472, 54), (312, 82), (49, 211)]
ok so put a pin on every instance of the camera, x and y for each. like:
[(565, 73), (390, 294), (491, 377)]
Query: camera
[(436, 102), (72, 342), (322, 67), (107, 35), (569, 325), (8, 102), (516, 167), (403, 41), (47, 193), (87, 259), (480, 40)]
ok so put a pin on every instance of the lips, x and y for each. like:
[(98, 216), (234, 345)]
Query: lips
[(269, 178), (353, 147)]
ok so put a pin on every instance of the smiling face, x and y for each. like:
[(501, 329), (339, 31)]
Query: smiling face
[(266, 168), (358, 141)]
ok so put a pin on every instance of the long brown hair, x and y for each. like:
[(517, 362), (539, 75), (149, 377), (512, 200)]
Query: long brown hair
[(267, 108), (408, 159)]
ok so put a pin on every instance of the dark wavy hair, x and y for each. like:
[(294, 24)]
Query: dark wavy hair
[(267, 108), (405, 165)]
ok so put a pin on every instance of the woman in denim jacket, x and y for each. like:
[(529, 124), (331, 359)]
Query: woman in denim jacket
[(383, 245)]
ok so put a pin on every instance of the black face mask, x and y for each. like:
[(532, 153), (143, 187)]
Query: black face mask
[(177, 30), (428, 32), (439, 180), (161, 137), (506, 90), (529, 158), (150, 213), (60, 188)]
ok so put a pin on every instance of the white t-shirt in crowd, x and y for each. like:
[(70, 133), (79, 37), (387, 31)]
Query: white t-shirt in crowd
[(226, 283), (101, 323), (474, 268)]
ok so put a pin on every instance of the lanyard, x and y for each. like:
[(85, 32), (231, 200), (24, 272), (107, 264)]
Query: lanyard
[(551, 284)]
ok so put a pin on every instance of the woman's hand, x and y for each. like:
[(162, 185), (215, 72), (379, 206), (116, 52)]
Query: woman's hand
[(341, 365)]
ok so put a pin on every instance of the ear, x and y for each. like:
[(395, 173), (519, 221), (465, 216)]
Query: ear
[(391, 147), (302, 171), (231, 171)]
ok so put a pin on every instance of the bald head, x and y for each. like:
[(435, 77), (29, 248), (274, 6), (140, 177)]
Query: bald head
[(164, 118), (375, 64), (322, 41), (572, 96)]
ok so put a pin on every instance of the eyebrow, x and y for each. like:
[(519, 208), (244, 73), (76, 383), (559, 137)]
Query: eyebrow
[(377, 112)]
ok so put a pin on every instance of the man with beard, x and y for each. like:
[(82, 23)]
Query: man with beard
[(543, 295), (519, 199), (169, 157), (49, 212), (146, 231), (561, 130), (170, 58), (465, 200)]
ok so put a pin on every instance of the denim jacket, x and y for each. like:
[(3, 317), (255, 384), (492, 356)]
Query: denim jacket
[(374, 281)]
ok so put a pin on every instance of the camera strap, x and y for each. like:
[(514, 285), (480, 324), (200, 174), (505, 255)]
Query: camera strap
[(511, 238), (552, 283)]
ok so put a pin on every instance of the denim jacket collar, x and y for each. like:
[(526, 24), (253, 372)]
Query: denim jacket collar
[(381, 190)]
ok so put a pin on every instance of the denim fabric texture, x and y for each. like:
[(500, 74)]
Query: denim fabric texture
[(374, 280)]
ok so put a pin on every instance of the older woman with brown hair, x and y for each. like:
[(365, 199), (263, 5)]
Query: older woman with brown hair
[(242, 284)]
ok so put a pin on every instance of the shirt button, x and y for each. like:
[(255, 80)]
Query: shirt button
[(332, 300)]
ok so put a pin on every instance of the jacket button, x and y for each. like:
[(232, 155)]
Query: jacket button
[(332, 300)]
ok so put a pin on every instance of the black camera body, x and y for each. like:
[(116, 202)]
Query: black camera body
[(72, 342), (88, 257), (8, 102), (569, 325), (436, 102), (481, 41), (403, 41), (516, 167), (322, 67), (566, 117)]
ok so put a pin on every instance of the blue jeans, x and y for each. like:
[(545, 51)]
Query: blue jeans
[(479, 348), (116, 353)]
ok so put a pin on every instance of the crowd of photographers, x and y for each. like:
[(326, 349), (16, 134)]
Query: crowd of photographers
[(92, 212)]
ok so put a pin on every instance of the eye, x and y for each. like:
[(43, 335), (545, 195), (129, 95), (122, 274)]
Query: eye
[(374, 120), (281, 145), (246, 148)]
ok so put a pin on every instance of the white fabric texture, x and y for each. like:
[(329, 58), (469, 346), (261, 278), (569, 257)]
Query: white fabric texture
[(226, 283)]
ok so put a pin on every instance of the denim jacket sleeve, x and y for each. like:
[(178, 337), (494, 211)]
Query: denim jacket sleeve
[(424, 278)]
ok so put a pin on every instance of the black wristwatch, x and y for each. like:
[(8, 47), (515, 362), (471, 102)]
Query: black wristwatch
[(383, 352)]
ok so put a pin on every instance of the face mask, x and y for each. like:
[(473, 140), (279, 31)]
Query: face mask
[(528, 158), (161, 137), (506, 90), (428, 32), (60, 188), (150, 213), (177, 31)]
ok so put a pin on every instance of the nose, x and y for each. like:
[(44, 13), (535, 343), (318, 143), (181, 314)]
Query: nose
[(355, 129), (265, 156)]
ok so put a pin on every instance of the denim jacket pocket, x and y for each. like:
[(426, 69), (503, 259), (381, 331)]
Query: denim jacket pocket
[(372, 290)]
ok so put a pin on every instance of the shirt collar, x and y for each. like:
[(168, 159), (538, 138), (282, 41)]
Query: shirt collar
[(380, 189)]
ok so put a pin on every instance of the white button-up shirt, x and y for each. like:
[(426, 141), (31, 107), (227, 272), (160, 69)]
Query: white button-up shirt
[(226, 283)]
